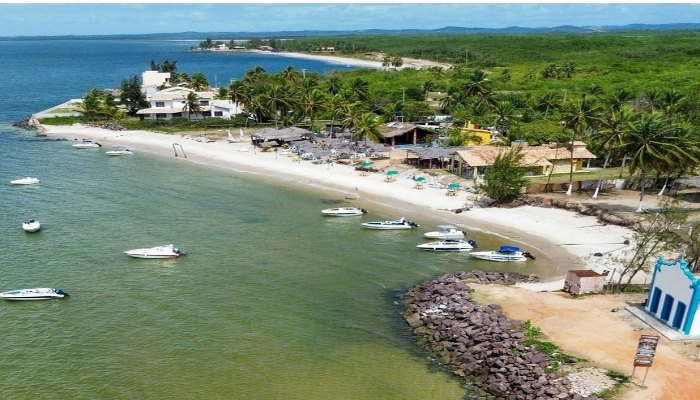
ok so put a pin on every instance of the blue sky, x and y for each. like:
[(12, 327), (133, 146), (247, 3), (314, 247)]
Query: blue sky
[(40, 19)]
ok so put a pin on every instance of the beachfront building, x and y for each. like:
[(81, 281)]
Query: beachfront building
[(151, 81), (536, 161), (171, 103), (476, 134), (674, 295)]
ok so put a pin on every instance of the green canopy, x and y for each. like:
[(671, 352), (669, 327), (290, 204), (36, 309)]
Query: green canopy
[(367, 164), (453, 186), (419, 179), (392, 172)]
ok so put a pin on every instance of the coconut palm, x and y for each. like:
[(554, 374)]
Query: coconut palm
[(289, 74), (548, 101), (312, 102), (618, 99), (239, 92), (334, 85), (670, 99), (477, 84), (192, 105), (360, 88), (367, 127), (276, 99), (198, 81), (579, 116), (255, 75), (609, 136), (653, 143)]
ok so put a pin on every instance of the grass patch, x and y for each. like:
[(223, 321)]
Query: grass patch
[(612, 392)]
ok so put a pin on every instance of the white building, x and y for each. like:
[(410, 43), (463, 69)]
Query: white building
[(171, 103), (152, 80), (674, 295)]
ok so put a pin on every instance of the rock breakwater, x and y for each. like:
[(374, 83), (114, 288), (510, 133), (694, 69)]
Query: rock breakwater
[(479, 342)]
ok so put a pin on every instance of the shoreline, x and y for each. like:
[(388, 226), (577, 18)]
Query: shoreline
[(566, 238), (358, 62)]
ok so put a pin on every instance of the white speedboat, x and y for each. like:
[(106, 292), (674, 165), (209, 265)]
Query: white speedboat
[(119, 151), (343, 211), (402, 223), (25, 181), (504, 253), (87, 144), (31, 226), (448, 245), (34, 294), (445, 232), (165, 251)]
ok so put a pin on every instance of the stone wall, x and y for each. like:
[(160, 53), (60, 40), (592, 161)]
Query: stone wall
[(479, 342)]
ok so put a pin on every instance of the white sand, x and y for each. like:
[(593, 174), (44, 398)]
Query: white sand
[(568, 238), (377, 64)]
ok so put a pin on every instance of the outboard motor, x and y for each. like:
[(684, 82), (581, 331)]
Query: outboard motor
[(413, 224), (363, 210), (60, 291), (528, 255), (472, 243)]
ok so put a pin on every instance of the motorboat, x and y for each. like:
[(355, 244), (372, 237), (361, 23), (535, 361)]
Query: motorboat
[(343, 211), (164, 251), (448, 245), (34, 294), (445, 232), (87, 144), (504, 253), (25, 181), (119, 151), (31, 226), (402, 223)]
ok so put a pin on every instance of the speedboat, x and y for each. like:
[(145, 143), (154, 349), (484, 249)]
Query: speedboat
[(165, 251), (25, 181), (504, 253), (86, 144), (402, 223), (448, 245), (34, 294), (445, 232), (31, 226), (119, 151), (343, 211)]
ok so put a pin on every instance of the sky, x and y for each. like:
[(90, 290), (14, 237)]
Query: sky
[(52, 19)]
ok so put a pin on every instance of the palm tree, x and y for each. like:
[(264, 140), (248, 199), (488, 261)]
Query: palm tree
[(255, 75), (198, 81), (276, 99), (239, 92), (386, 62), (428, 86), (670, 99), (653, 143), (504, 115), (192, 105), (610, 136), (618, 99), (334, 85), (547, 101), (579, 116), (360, 88), (289, 74), (367, 127), (312, 102), (477, 84)]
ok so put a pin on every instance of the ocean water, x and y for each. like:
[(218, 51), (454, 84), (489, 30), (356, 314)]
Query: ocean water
[(272, 301)]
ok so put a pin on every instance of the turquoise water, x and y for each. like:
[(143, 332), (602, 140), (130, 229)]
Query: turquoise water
[(272, 301)]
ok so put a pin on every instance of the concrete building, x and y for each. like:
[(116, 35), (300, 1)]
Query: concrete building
[(674, 295), (580, 281)]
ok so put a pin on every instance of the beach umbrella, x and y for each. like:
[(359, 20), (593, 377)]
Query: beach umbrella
[(453, 186), (392, 172), (419, 179), (367, 164)]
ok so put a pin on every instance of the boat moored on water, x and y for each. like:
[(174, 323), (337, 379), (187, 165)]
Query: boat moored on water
[(119, 151), (165, 251), (445, 232), (87, 144), (343, 211), (25, 181), (34, 294), (399, 224), (31, 226), (504, 253), (448, 245)]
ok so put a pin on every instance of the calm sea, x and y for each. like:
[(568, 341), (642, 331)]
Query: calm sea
[(272, 301)]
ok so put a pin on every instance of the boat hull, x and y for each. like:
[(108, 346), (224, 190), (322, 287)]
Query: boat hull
[(343, 212), (33, 294), (119, 153), (31, 226), (444, 235), (168, 251), (496, 256), (371, 225), (25, 181)]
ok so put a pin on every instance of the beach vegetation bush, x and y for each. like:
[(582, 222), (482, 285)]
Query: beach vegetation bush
[(504, 181)]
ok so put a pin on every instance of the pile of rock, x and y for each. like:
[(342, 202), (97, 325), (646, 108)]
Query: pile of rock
[(108, 126), (480, 342)]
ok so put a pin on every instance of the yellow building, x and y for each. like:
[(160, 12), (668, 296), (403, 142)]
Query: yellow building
[(476, 131)]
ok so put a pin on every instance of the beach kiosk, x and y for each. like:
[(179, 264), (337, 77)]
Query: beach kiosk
[(580, 281)]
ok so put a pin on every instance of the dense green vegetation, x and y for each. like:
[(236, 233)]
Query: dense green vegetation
[(632, 96)]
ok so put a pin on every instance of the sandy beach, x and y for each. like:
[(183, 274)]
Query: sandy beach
[(375, 62), (568, 238)]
